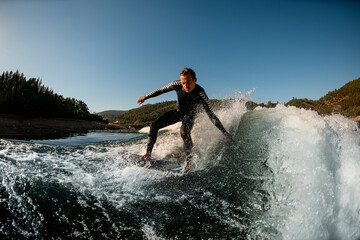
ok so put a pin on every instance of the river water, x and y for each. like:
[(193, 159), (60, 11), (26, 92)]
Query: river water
[(288, 174)]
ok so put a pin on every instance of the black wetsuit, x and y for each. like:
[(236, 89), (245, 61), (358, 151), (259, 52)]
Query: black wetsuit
[(185, 112)]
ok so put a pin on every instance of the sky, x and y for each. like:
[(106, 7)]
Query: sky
[(108, 53)]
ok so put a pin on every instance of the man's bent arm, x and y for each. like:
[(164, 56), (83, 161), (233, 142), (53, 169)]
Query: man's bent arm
[(214, 119)]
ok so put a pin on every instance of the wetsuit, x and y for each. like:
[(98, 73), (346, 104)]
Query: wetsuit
[(185, 112)]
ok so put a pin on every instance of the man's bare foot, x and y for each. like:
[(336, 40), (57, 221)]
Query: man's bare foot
[(146, 158), (187, 167)]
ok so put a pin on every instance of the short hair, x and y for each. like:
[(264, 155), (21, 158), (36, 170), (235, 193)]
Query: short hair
[(187, 71)]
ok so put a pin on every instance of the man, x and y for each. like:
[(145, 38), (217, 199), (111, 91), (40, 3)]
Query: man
[(189, 96)]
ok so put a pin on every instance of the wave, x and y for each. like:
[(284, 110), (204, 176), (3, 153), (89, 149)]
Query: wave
[(288, 174)]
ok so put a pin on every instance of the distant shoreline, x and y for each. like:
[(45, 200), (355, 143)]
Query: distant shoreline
[(18, 127)]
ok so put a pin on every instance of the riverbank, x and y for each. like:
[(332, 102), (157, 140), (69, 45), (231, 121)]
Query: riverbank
[(18, 127)]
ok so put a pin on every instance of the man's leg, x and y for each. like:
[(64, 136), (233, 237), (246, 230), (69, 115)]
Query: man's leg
[(185, 132), (164, 120)]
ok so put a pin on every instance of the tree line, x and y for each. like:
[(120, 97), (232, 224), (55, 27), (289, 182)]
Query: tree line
[(30, 98)]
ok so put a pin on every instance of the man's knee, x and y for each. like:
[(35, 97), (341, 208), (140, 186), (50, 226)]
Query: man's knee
[(152, 125), (184, 134), (153, 128)]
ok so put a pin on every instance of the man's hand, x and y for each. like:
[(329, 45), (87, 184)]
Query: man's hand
[(141, 100), (228, 136)]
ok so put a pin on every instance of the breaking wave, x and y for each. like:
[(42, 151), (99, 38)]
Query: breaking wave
[(288, 174)]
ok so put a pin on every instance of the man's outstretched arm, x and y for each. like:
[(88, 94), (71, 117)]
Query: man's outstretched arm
[(158, 92)]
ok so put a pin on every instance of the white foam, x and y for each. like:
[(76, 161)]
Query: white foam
[(315, 161)]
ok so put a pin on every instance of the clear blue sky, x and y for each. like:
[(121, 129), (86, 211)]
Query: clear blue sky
[(107, 53)]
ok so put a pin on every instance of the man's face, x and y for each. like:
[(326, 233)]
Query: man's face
[(187, 82)]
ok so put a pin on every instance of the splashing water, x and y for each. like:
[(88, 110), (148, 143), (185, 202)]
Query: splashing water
[(288, 174)]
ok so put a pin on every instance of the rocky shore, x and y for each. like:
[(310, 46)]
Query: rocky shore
[(34, 128)]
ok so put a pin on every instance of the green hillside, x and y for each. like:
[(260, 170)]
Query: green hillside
[(145, 114), (110, 114), (345, 101)]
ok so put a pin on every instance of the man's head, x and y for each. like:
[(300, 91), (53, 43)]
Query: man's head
[(188, 79)]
